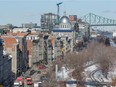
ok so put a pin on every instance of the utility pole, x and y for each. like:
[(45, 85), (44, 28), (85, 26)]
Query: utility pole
[(58, 9)]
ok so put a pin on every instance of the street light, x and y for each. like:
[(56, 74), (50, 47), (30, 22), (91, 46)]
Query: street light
[(58, 8)]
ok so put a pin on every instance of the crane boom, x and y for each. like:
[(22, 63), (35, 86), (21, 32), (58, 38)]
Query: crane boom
[(59, 3)]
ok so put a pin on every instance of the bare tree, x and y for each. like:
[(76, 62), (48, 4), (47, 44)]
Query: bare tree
[(96, 52)]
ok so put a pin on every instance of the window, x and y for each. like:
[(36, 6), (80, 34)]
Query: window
[(65, 26), (61, 26)]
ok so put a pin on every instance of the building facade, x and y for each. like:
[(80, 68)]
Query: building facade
[(11, 47), (84, 28), (38, 50), (1, 62), (7, 71), (56, 47), (48, 21), (29, 25), (21, 37), (65, 36), (16, 45), (6, 79), (73, 19), (30, 38), (6, 27)]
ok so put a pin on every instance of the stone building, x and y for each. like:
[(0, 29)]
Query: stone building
[(65, 35), (30, 38), (38, 50)]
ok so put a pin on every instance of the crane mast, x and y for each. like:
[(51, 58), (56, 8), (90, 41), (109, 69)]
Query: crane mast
[(58, 9)]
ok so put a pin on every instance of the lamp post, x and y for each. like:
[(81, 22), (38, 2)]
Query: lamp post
[(56, 71)]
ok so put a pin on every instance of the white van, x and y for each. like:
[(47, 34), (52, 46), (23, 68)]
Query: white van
[(37, 84), (16, 84)]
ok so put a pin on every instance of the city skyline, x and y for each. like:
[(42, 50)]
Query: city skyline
[(17, 12)]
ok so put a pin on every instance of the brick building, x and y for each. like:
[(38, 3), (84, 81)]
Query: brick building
[(16, 45)]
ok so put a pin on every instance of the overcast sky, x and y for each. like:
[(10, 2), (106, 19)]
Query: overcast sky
[(24, 11)]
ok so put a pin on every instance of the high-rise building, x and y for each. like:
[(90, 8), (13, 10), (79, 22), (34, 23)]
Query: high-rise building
[(48, 21), (29, 25)]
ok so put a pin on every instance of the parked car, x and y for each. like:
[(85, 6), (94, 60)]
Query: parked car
[(41, 67), (20, 80), (29, 81), (32, 72), (39, 72), (43, 78)]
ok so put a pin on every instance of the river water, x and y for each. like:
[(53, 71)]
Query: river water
[(108, 35)]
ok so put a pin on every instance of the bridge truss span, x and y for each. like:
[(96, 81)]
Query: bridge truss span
[(95, 20)]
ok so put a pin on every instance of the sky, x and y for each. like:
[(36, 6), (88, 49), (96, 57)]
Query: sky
[(17, 12)]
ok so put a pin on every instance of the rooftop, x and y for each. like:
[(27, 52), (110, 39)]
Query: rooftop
[(61, 30), (9, 40)]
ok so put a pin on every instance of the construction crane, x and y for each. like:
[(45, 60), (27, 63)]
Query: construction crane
[(58, 8)]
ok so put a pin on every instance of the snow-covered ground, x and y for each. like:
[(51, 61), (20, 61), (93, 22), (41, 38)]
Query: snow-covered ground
[(112, 71), (64, 74), (112, 43), (93, 73), (88, 71)]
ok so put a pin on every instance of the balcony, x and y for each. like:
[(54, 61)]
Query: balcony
[(45, 43), (45, 48)]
